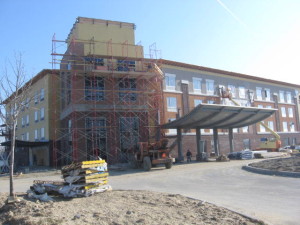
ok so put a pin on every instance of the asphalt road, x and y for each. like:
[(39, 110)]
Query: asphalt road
[(275, 200)]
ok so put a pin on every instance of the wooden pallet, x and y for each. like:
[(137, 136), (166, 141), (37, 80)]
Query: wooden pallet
[(83, 165)]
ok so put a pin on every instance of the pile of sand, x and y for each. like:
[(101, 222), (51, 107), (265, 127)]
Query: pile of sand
[(119, 207), (291, 164)]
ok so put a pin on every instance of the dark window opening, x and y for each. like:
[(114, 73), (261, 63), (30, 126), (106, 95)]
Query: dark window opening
[(94, 88)]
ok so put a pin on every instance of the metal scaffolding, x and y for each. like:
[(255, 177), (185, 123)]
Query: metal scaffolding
[(104, 104)]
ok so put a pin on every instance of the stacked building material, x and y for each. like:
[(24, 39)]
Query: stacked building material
[(80, 180), (90, 174)]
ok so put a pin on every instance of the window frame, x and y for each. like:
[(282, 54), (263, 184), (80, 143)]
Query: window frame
[(288, 97), (259, 93), (283, 111), (281, 96), (197, 80), (242, 92), (169, 107), (170, 79), (210, 87)]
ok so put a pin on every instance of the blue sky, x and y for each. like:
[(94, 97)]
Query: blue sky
[(255, 37)]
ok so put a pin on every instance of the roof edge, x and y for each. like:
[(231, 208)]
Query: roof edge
[(224, 72)]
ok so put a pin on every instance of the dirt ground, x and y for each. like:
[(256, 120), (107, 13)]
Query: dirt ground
[(291, 164), (119, 207)]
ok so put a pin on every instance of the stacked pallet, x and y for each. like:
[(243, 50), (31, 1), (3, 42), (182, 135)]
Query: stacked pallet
[(80, 180), (89, 174)]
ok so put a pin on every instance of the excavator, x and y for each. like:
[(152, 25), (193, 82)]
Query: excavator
[(270, 144)]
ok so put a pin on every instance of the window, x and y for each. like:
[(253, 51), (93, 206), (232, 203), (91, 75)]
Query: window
[(172, 104), (271, 125), (36, 136), (27, 103), (36, 97), (285, 127), (260, 106), (70, 130), (232, 89), (291, 112), (210, 102), (210, 88), (267, 94), (42, 133), (197, 84), (245, 129), (292, 127), (242, 92), (127, 85), (197, 102), (170, 80), (23, 106), (283, 112), (27, 120), (235, 130), (23, 137), (23, 121), (289, 97), (258, 93), (94, 87), (42, 95), (281, 96), (27, 136), (42, 113), (262, 128), (36, 116), (172, 131)]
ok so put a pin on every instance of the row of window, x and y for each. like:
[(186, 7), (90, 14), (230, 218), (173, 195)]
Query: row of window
[(172, 103), (94, 89), (240, 92), (286, 126), (210, 131), (283, 111), (39, 96), (290, 112), (39, 134), (38, 115)]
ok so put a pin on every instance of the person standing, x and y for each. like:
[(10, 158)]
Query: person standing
[(188, 156)]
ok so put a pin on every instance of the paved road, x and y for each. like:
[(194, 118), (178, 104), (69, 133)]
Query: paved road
[(275, 200)]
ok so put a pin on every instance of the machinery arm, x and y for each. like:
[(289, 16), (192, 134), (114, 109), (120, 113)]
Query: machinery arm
[(227, 94)]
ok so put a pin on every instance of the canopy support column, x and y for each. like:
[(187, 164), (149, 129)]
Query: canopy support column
[(179, 144), (231, 139), (216, 141)]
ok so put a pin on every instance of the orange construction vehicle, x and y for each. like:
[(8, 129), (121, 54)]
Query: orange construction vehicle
[(147, 155)]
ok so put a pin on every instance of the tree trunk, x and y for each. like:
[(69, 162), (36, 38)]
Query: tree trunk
[(12, 159)]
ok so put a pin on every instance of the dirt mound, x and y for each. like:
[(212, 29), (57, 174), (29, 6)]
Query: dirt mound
[(120, 207), (291, 164)]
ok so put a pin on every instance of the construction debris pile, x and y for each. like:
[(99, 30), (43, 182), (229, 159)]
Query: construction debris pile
[(80, 180)]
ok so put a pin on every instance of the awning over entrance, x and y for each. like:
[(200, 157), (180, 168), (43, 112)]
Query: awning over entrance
[(220, 116), (208, 116), (26, 143)]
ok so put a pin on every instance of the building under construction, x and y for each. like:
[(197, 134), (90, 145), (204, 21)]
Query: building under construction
[(110, 96)]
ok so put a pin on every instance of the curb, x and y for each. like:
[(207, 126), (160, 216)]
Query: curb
[(271, 172)]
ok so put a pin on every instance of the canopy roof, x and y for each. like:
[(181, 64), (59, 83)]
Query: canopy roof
[(20, 143), (208, 116)]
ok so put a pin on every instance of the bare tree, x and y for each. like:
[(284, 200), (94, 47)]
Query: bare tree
[(14, 95)]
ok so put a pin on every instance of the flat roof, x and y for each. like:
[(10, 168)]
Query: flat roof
[(209, 116), (20, 143)]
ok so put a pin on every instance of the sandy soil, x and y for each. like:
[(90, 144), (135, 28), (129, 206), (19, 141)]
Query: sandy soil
[(119, 207), (291, 164)]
